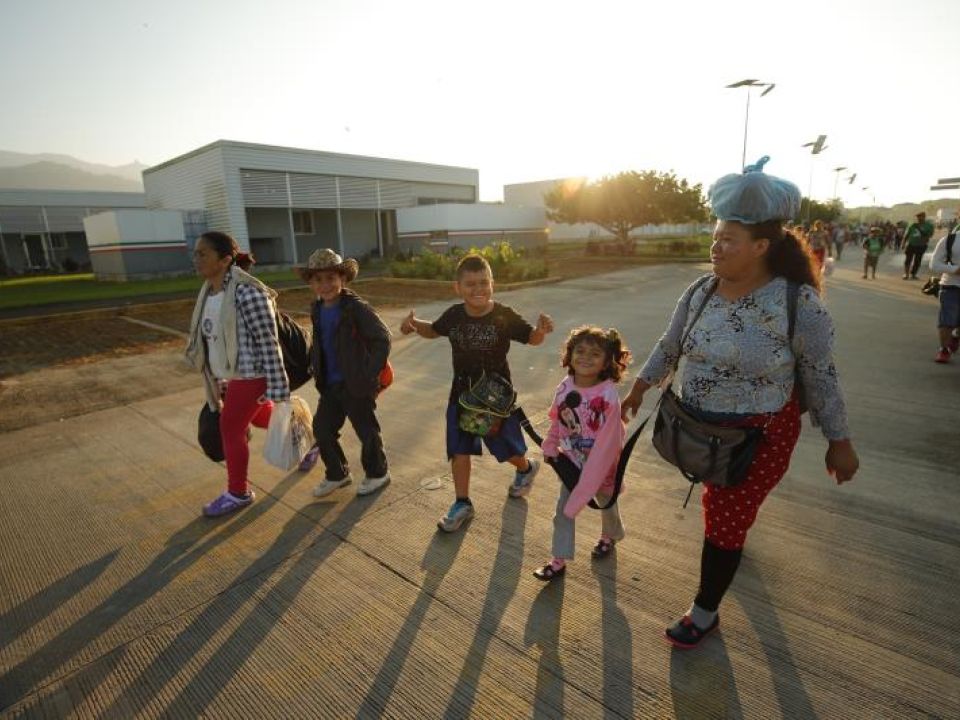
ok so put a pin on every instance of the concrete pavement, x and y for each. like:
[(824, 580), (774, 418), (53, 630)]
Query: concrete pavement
[(118, 600)]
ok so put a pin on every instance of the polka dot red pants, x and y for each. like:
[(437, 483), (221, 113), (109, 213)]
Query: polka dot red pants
[(728, 512)]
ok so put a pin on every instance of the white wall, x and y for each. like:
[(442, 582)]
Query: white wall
[(460, 217)]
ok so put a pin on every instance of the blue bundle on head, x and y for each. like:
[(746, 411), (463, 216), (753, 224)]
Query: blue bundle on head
[(754, 197)]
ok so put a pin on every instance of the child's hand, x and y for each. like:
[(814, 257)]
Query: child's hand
[(544, 324), (407, 326)]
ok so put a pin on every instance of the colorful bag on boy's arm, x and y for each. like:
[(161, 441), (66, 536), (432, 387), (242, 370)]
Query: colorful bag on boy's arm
[(290, 434), (486, 404)]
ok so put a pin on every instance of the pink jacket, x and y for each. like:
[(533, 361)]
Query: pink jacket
[(585, 426)]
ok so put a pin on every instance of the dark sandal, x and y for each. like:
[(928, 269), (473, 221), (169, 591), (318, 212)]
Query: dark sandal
[(602, 548), (547, 573), (685, 635)]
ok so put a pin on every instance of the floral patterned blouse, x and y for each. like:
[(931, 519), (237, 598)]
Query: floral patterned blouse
[(739, 357)]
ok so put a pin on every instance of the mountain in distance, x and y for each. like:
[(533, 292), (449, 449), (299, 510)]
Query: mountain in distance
[(48, 171), (902, 211)]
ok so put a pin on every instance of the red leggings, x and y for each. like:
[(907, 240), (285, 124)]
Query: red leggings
[(728, 512), (241, 406)]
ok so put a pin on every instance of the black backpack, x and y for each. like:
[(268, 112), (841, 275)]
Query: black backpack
[(295, 349)]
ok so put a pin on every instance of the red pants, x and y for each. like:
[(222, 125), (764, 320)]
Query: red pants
[(728, 512), (242, 406)]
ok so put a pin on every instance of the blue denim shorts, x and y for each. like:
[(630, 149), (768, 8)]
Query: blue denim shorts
[(949, 307), (505, 444)]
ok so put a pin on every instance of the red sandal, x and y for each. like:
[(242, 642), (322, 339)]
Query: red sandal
[(548, 572)]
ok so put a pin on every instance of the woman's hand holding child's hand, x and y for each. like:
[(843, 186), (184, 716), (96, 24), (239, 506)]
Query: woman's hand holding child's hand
[(407, 326), (631, 403)]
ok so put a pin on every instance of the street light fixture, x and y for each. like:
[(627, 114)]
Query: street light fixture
[(748, 84), (836, 178), (816, 147), (873, 201)]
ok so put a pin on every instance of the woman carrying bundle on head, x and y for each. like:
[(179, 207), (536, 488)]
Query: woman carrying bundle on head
[(734, 330)]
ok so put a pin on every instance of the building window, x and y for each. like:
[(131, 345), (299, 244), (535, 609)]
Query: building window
[(303, 222), (58, 241)]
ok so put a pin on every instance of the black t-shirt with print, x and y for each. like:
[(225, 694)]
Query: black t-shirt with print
[(480, 343)]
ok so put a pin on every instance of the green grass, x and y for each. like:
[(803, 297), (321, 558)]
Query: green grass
[(79, 288)]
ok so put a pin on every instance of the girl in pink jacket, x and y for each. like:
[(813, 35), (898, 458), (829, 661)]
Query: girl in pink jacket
[(586, 431)]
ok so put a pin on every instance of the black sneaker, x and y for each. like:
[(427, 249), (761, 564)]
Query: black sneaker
[(685, 635)]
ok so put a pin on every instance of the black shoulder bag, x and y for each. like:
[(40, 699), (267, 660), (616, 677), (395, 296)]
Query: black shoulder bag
[(702, 451)]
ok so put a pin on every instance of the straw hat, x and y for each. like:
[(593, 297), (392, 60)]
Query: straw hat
[(327, 259)]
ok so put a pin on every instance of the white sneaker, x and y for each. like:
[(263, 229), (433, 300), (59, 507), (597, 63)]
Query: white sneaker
[(370, 485), (522, 482), (328, 486)]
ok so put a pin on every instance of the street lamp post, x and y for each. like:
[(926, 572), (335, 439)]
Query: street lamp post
[(816, 147), (748, 84), (836, 178), (873, 201)]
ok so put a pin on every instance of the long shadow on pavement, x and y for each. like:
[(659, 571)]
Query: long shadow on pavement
[(617, 645), (222, 666), (543, 630), (702, 683), (504, 578), (437, 561), (16, 621), (181, 552), (761, 611)]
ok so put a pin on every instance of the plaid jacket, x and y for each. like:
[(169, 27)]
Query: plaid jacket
[(259, 351)]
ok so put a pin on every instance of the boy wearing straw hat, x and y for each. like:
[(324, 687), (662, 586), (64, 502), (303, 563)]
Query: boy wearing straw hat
[(349, 352)]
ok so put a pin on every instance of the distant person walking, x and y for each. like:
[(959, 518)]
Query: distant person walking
[(944, 261), (819, 240), (915, 240), (839, 239), (872, 250)]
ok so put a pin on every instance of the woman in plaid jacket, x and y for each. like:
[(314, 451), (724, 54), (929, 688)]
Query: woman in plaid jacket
[(233, 343)]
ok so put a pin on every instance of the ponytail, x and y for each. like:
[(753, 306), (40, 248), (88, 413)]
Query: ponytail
[(788, 256), (244, 261)]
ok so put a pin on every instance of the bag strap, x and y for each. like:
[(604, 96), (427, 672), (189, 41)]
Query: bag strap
[(625, 453), (696, 316), (631, 441), (951, 238), (793, 296)]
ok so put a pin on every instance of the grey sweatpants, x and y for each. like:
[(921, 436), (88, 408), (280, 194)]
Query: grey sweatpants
[(564, 529)]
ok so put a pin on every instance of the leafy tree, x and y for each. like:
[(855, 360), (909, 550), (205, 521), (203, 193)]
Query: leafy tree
[(813, 210), (623, 202)]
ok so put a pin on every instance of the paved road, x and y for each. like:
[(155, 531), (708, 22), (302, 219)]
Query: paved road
[(117, 600)]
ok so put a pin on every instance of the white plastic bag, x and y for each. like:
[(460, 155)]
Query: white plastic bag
[(290, 434)]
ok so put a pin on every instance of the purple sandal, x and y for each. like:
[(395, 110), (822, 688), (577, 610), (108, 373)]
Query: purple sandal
[(226, 504)]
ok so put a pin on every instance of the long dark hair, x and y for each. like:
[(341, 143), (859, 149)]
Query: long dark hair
[(224, 245), (788, 256)]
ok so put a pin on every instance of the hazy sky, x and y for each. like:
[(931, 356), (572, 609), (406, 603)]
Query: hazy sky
[(521, 90)]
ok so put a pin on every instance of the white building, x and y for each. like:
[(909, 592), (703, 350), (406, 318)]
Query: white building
[(43, 229), (441, 227), (530, 195), (283, 203)]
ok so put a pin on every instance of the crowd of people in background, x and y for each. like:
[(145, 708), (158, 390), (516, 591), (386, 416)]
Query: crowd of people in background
[(827, 242)]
